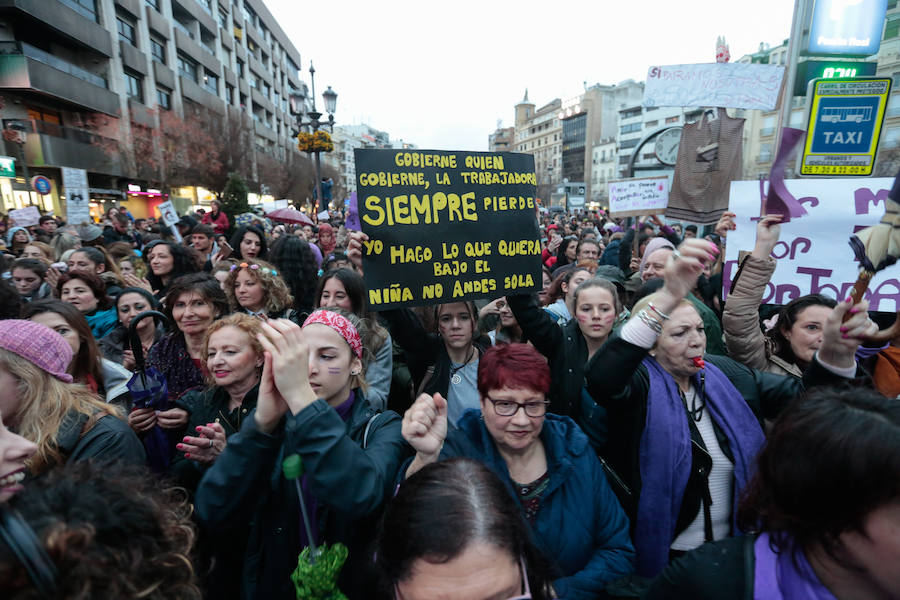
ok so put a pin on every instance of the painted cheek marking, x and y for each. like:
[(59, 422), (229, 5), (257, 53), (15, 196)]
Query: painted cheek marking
[(333, 371)]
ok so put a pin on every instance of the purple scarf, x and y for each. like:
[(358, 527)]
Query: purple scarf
[(665, 456), (777, 577)]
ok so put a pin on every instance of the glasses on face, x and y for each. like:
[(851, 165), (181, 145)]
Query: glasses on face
[(508, 408), (525, 584)]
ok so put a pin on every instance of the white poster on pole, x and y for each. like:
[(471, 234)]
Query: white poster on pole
[(729, 85), (638, 196), (170, 218), (814, 254), (78, 196)]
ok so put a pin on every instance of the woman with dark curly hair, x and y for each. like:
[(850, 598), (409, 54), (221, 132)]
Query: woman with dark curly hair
[(296, 263), (192, 304), (254, 287), (249, 242), (824, 505), (86, 292), (110, 532), (168, 262)]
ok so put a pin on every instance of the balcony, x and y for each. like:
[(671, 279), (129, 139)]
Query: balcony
[(25, 67), (54, 145), (67, 18)]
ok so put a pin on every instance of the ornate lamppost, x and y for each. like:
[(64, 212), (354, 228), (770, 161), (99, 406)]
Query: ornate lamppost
[(315, 141)]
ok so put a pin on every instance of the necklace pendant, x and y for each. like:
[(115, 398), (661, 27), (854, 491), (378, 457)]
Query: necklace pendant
[(456, 379)]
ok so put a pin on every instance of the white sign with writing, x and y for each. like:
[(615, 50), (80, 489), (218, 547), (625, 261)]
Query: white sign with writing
[(729, 85), (25, 217), (639, 196), (814, 254), (168, 213), (78, 196)]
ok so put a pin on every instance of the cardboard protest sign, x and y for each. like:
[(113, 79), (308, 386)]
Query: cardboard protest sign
[(447, 226), (814, 254), (78, 196), (25, 217), (638, 196), (729, 85)]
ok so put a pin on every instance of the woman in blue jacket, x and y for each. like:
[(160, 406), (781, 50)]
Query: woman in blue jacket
[(545, 461), (310, 403)]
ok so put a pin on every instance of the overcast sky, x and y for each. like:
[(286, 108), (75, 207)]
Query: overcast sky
[(440, 74)]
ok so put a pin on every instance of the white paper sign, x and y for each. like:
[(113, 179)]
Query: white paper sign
[(814, 254), (168, 213), (729, 85), (78, 196), (639, 196), (25, 217)]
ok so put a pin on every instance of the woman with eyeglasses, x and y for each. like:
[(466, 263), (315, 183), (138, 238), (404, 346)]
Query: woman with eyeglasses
[(480, 549), (549, 469)]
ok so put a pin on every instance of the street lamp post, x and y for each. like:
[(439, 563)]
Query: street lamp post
[(298, 110)]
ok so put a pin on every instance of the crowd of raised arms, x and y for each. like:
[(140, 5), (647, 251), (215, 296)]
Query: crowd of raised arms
[(622, 433)]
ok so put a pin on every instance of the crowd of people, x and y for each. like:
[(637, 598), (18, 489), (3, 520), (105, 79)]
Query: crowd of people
[(622, 432)]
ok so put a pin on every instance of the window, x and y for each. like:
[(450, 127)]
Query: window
[(223, 18), (652, 124), (630, 128), (671, 120), (164, 98), (229, 93), (240, 68), (86, 8), (210, 82), (153, 4), (126, 30), (187, 68), (892, 27), (134, 85), (158, 49)]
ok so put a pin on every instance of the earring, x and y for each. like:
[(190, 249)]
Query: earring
[(354, 373)]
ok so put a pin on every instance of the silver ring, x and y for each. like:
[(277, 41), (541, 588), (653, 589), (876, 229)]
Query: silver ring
[(676, 254), (210, 443)]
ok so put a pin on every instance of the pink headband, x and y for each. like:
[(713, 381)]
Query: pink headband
[(340, 324)]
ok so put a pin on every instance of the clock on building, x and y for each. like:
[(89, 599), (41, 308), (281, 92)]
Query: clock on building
[(666, 148)]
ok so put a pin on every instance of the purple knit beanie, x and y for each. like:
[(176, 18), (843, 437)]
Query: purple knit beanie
[(652, 246), (38, 344)]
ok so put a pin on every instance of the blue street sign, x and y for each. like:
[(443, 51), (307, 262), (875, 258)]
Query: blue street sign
[(844, 126), (41, 184)]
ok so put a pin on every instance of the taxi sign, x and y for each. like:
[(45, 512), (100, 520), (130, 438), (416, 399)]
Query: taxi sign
[(845, 119)]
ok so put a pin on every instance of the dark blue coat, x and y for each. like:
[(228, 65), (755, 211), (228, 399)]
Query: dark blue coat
[(580, 526), (349, 477)]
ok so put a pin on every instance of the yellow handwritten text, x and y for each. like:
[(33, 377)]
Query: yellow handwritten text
[(412, 209)]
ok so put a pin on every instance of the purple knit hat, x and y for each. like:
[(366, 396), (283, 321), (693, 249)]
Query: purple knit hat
[(652, 246), (38, 344)]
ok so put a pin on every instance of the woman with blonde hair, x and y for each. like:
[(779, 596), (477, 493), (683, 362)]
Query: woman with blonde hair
[(38, 250), (234, 360), (254, 287), (66, 421)]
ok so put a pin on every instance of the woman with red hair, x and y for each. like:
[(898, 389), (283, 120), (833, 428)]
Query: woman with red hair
[(546, 462)]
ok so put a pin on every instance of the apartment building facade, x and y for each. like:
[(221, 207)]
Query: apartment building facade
[(66, 61)]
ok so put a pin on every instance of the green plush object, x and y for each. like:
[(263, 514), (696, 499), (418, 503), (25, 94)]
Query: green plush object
[(315, 578)]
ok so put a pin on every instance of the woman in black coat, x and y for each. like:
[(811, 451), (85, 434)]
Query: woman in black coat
[(685, 427)]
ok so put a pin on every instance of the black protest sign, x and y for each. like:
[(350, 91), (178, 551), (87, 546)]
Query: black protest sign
[(447, 226)]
